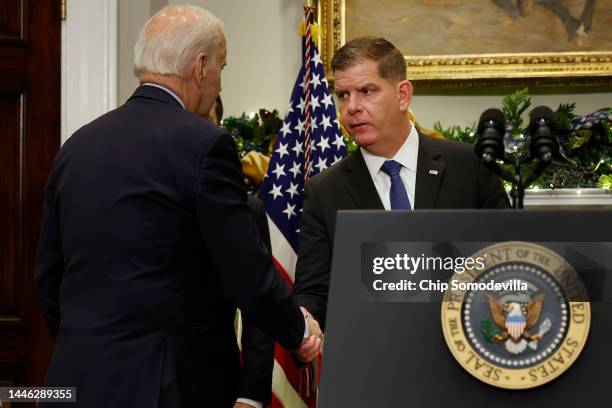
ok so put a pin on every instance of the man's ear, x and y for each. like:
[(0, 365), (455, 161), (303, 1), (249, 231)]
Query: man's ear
[(199, 69), (404, 94)]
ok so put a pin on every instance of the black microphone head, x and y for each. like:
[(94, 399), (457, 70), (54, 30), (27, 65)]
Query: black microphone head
[(541, 116), (492, 118), (544, 144), (491, 129)]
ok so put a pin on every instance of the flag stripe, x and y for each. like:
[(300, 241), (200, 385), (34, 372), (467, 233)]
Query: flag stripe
[(283, 390), (282, 272), (282, 250)]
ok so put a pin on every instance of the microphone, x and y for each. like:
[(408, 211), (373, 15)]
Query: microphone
[(543, 130), (491, 129)]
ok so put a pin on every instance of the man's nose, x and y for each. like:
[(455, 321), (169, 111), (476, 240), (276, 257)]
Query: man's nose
[(354, 104)]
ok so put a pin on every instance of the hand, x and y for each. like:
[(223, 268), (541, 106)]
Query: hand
[(311, 347), (313, 326)]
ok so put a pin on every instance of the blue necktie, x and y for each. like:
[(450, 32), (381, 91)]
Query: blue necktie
[(398, 195)]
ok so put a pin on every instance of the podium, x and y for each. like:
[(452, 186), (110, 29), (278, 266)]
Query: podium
[(395, 348)]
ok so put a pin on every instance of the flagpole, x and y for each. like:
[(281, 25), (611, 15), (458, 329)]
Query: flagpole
[(308, 13)]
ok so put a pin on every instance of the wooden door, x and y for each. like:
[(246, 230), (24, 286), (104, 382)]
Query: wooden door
[(29, 139)]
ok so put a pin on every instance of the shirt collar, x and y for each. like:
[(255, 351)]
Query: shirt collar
[(407, 155), (175, 96)]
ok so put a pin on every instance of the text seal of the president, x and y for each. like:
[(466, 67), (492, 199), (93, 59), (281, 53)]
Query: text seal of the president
[(528, 332)]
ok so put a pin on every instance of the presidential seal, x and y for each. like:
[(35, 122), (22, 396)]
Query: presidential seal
[(529, 329)]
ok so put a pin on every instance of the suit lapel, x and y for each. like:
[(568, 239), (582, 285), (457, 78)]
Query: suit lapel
[(429, 175), (359, 183)]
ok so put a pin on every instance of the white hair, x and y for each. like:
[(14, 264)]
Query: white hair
[(173, 36)]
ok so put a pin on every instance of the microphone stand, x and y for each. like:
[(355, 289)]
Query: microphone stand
[(518, 183)]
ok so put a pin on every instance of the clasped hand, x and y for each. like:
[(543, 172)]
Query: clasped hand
[(311, 346)]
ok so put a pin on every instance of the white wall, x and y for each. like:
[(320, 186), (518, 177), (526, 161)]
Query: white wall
[(264, 58), (263, 52), (132, 16), (89, 63)]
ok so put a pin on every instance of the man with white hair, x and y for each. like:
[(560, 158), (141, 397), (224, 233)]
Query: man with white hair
[(146, 237)]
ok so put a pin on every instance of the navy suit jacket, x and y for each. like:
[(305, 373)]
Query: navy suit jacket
[(257, 347), (146, 236)]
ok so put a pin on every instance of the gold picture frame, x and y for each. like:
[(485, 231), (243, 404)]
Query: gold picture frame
[(441, 71)]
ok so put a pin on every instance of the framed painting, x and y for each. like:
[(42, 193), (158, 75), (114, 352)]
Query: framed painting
[(475, 42)]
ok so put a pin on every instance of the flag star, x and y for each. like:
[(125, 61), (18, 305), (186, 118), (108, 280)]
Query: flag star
[(290, 211), (322, 164), (282, 150), (316, 81), (336, 122), (279, 171), (300, 127), (296, 167), (301, 105), (327, 101), (325, 122), (290, 110), (303, 84), (337, 159), (313, 125), (285, 129), (297, 148), (276, 191), (324, 144), (314, 103), (339, 142), (324, 80), (317, 59), (292, 190)]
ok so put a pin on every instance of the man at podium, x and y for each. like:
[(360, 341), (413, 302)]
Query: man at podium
[(395, 166)]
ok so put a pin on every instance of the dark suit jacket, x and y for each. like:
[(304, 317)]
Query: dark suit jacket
[(461, 182), (146, 235), (257, 346)]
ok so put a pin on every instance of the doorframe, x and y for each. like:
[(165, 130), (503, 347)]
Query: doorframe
[(89, 62)]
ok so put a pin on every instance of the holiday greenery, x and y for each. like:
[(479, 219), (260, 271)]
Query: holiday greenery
[(585, 158), (255, 132)]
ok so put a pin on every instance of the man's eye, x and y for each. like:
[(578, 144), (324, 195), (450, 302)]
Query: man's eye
[(341, 95), (365, 91)]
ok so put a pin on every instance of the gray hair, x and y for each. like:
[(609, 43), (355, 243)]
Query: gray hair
[(173, 36)]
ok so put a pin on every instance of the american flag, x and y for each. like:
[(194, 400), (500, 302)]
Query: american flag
[(309, 141)]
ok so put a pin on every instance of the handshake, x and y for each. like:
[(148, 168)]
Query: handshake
[(313, 344)]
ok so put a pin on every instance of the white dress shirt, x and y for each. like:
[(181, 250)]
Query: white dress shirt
[(407, 156)]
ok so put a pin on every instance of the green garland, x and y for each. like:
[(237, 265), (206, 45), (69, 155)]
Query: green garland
[(256, 132), (585, 159)]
